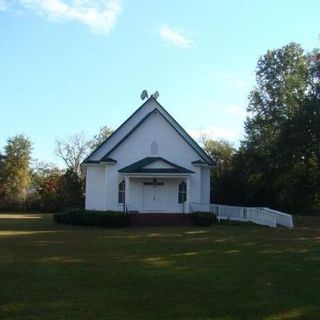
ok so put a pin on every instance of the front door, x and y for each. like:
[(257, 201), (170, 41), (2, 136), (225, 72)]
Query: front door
[(154, 197)]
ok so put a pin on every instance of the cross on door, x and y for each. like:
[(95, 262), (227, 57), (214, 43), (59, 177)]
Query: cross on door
[(154, 183)]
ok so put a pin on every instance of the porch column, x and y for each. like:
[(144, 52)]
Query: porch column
[(187, 203), (127, 189)]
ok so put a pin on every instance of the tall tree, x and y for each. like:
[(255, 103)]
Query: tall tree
[(76, 148), (222, 153), (104, 133), (300, 142), (282, 79), (15, 173), (70, 192), (72, 151)]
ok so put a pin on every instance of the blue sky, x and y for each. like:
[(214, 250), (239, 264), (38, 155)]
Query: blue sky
[(72, 66)]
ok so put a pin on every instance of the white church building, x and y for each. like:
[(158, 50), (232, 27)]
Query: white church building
[(150, 164)]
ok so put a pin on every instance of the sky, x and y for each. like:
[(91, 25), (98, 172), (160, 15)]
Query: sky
[(75, 66)]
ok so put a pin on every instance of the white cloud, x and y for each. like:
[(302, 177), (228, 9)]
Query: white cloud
[(99, 15), (233, 79), (214, 133), (175, 36)]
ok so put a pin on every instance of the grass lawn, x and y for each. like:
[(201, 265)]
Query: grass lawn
[(50, 271)]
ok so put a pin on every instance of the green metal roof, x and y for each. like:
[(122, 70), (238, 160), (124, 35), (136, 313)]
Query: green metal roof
[(138, 167)]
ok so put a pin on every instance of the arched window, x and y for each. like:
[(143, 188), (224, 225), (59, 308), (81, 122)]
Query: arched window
[(154, 148), (182, 196), (122, 192)]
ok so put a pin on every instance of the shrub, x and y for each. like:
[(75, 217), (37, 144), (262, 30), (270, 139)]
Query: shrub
[(76, 216), (112, 219), (203, 219), (57, 217), (88, 218), (117, 219)]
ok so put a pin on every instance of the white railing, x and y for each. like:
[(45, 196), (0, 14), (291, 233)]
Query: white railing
[(229, 212), (283, 219), (262, 216)]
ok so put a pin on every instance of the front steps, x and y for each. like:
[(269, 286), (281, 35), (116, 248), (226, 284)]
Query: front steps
[(159, 219)]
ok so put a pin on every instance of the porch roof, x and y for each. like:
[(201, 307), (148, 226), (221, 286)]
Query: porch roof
[(139, 167)]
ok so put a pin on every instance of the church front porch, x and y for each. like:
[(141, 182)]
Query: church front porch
[(155, 195)]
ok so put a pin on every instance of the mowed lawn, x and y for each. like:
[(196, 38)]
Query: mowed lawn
[(50, 271)]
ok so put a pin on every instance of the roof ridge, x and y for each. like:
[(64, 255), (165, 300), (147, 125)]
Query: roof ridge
[(171, 121)]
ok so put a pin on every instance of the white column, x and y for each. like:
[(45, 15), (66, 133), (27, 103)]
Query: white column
[(187, 206), (127, 191)]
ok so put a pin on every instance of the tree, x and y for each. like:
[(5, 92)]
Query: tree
[(104, 133), (70, 191), (76, 148), (222, 153), (48, 191), (282, 81), (15, 175), (300, 142), (278, 163), (72, 151)]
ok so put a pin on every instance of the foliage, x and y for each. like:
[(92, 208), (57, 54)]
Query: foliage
[(43, 186), (74, 149), (203, 219), (76, 216), (104, 133), (15, 175), (71, 188), (222, 152), (278, 163), (46, 183)]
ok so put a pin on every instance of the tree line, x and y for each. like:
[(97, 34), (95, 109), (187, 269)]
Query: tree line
[(28, 184), (277, 164)]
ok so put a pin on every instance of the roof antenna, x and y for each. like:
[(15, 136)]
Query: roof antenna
[(155, 95), (144, 94)]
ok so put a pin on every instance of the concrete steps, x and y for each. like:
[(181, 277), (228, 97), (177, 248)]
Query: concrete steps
[(159, 219)]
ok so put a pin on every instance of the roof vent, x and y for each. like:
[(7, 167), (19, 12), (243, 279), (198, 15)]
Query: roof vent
[(154, 148)]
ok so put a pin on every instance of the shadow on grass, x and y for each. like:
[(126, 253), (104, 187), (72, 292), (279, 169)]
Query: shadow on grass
[(52, 271)]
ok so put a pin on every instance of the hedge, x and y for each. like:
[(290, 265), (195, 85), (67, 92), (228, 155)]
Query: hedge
[(82, 217), (203, 219)]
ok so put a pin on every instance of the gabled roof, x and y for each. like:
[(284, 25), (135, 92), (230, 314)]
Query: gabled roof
[(161, 110), (139, 167)]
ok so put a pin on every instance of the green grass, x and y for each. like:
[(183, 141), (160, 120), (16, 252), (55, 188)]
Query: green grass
[(226, 272)]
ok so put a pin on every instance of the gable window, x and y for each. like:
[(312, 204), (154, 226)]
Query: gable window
[(154, 148), (182, 195), (122, 192)]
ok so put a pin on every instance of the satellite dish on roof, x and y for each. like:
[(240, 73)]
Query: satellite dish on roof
[(144, 94), (155, 95)]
